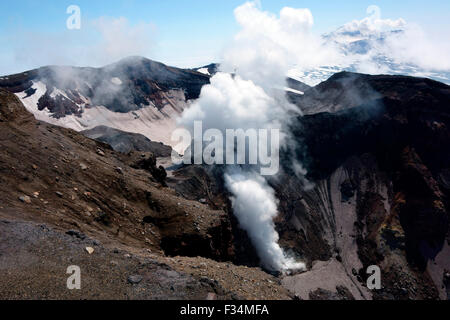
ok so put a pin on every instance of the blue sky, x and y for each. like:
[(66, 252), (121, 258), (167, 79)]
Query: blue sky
[(176, 32)]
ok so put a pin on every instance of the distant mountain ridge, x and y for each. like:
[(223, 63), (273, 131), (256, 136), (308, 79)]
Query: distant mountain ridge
[(134, 95), (368, 50), (143, 78)]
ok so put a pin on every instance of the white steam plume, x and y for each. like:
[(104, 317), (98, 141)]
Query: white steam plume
[(260, 56), (230, 102), (268, 46), (255, 206)]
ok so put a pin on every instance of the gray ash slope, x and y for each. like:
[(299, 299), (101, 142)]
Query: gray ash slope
[(126, 142)]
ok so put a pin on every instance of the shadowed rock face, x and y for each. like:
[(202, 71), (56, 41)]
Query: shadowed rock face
[(125, 141), (377, 149), (346, 90)]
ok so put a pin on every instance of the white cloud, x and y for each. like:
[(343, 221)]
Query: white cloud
[(405, 44), (415, 46), (372, 24), (267, 46)]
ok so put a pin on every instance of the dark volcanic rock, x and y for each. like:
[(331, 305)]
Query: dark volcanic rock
[(59, 106), (346, 90), (406, 111), (297, 85), (381, 144), (135, 279), (342, 293), (125, 142)]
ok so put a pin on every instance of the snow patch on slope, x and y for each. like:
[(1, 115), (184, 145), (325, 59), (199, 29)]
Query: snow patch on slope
[(31, 102), (156, 124), (116, 81), (293, 91), (57, 92), (204, 71)]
